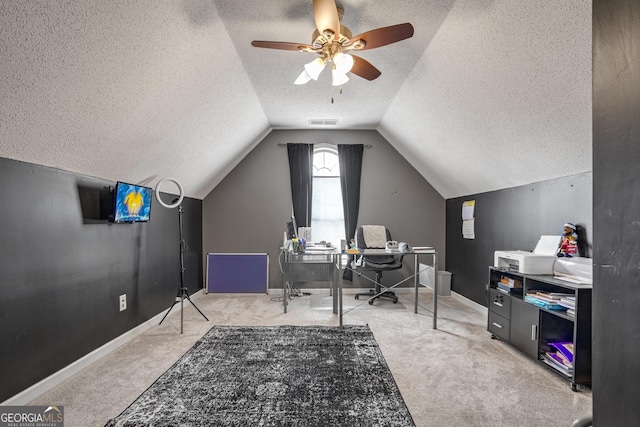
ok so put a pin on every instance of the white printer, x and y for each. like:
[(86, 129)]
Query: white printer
[(525, 262), (540, 261)]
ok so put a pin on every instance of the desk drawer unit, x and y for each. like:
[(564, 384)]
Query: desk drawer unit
[(499, 326), (531, 329), (500, 303)]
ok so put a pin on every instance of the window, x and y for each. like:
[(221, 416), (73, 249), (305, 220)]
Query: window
[(327, 216)]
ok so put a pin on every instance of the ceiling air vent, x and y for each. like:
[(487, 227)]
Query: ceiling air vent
[(323, 122)]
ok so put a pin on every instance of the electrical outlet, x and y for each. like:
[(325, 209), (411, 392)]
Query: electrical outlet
[(123, 302)]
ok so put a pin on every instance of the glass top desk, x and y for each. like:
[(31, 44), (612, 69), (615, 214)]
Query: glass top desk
[(417, 252), (327, 266), (321, 265)]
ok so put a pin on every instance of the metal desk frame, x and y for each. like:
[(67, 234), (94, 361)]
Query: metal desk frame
[(310, 259), (415, 276), (335, 258)]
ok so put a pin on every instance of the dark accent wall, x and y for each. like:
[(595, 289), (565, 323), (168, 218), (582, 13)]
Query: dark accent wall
[(249, 209), (513, 219), (63, 267), (616, 177)]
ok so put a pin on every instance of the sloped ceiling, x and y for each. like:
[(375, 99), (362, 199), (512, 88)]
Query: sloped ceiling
[(486, 95)]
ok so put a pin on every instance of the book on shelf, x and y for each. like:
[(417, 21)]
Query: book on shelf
[(509, 282), (565, 348), (555, 362), (559, 359), (544, 298), (548, 300), (567, 304), (569, 300), (562, 358), (508, 290), (550, 305), (550, 296)]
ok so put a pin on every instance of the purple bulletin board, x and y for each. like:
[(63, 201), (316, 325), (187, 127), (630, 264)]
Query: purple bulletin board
[(238, 273)]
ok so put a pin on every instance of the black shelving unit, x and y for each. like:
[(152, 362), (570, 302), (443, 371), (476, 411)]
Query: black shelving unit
[(531, 328)]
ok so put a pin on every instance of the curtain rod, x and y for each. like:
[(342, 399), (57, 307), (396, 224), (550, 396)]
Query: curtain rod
[(280, 144)]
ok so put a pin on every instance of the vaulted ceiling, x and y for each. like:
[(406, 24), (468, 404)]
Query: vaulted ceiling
[(487, 94)]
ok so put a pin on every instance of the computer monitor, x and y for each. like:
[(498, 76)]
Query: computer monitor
[(291, 230), (295, 226)]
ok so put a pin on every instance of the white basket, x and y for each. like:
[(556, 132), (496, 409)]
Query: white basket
[(426, 275), (444, 279)]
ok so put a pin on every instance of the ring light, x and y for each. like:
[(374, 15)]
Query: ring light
[(180, 196), (183, 293)]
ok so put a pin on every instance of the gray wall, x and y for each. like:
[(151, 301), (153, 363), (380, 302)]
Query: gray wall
[(63, 267), (513, 219), (248, 210)]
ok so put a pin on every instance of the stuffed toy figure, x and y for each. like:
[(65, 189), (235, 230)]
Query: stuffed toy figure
[(568, 245)]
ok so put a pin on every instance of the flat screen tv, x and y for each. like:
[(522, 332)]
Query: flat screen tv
[(132, 203)]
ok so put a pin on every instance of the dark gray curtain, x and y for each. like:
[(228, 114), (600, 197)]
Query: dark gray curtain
[(301, 172), (350, 157)]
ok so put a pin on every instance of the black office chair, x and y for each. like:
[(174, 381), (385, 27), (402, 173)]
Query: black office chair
[(376, 263)]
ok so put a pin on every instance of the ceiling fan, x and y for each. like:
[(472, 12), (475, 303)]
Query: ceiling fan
[(333, 42)]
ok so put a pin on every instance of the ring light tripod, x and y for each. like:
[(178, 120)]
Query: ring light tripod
[(182, 291)]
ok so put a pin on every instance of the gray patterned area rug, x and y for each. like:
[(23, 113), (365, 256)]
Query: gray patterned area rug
[(274, 376)]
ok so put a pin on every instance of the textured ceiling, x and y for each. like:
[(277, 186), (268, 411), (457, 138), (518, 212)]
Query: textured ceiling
[(486, 95)]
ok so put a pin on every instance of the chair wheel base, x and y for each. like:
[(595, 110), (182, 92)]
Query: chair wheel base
[(371, 295)]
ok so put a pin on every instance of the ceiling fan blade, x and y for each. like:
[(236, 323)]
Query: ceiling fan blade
[(325, 13), (299, 47), (363, 68), (383, 36)]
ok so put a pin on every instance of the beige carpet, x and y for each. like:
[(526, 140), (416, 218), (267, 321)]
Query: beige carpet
[(454, 376)]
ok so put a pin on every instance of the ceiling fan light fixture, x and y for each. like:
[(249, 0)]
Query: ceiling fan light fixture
[(339, 78), (343, 62), (303, 78), (315, 67)]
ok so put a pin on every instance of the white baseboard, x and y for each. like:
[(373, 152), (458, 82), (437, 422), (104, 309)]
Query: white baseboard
[(68, 371), (470, 303)]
